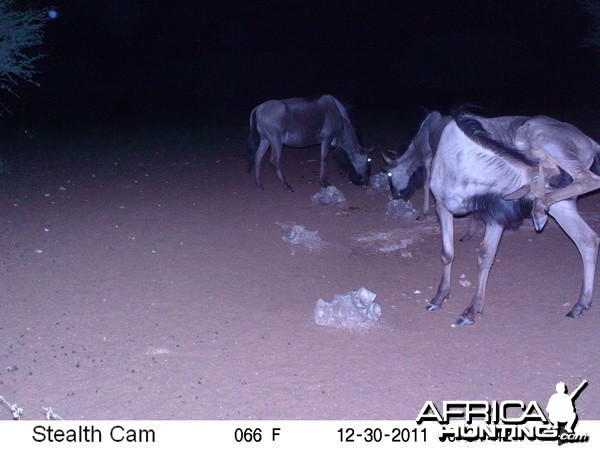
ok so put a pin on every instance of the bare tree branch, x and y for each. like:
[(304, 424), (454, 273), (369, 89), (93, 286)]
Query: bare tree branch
[(20, 30)]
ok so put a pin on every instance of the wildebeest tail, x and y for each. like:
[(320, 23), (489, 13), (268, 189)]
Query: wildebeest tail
[(253, 140)]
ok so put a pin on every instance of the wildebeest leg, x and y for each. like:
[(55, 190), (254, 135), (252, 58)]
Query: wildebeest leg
[(447, 225), (471, 232), (427, 174), (584, 181), (489, 246), (260, 152), (324, 150), (275, 158), (587, 241)]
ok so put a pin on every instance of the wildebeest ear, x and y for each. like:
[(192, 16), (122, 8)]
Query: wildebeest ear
[(390, 160), (519, 193)]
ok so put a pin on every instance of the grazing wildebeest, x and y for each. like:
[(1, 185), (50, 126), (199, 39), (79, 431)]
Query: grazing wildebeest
[(412, 170), (301, 122), (503, 169)]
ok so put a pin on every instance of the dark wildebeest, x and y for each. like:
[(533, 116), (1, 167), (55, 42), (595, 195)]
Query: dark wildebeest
[(412, 170), (300, 122), (503, 169)]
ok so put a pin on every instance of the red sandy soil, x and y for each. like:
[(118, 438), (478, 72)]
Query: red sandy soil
[(144, 276)]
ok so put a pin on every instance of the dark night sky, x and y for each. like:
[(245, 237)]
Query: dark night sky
[(173, 59)]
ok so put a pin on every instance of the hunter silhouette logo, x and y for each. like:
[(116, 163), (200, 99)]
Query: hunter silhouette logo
[(561, 410), (507, 420)]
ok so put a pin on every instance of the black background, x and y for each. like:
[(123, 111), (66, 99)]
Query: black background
[(153, 61)]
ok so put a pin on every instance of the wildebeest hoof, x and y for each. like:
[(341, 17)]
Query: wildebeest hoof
[(433, 307), (288, 188), (576, 312), (539, 216), (260, 186), (539, 221), (421, 217), (462, 320)]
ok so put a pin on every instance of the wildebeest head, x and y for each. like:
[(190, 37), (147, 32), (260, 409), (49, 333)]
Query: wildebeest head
[(404, 175), (356, 164)]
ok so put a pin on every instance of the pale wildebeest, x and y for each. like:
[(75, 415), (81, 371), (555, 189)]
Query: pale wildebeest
[(412, 170), (301, 122), (503, 169)]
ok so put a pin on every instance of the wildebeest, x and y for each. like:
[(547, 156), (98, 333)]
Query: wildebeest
[(301, 122), (503, 169), (412, 170)]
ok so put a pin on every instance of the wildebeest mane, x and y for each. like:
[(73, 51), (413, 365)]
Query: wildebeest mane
[(493, 209), (474, 130), (348, 138), (311, 98)]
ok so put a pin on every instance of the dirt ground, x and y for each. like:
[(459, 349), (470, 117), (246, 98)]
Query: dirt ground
[(144, 276)]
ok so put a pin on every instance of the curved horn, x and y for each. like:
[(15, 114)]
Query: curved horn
[(390, 160)]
